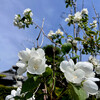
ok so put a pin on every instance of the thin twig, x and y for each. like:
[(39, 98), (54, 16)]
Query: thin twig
[(63, 29), (46, 35), (82, 4), (42, 40), (40, 32)]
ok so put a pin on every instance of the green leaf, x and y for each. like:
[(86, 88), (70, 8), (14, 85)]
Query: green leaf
[(30, 85), (92, 32), (28, 95), (77, 92), (70, 36), (48, 72), (87, 33), (58, 91), (66, 47), (78, 39)]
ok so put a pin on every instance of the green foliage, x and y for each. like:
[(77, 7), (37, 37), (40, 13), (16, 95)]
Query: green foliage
[(4, 91), (30, 85), (78, 39), (49, 53), (69, 3), (91, 43), (77, 93), (66, 47)]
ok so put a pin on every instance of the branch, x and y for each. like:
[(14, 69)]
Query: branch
[(63, 29), (46, 35), (40, 33)]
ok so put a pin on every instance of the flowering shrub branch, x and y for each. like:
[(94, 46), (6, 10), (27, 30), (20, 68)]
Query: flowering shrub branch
[(50, 77)]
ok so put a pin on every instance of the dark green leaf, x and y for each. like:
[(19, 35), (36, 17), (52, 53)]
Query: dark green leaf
[(28, 95), (78, 39), (77, 92), (30, 85), (47, 72), (66, 47), (58, 91)]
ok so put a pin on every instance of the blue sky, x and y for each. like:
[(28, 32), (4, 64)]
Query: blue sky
[(13, 40)]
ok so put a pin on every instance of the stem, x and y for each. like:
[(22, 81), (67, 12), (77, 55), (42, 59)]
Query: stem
[(46, 35), (54, 69), (45, 91), (40, 33), (82, 4)]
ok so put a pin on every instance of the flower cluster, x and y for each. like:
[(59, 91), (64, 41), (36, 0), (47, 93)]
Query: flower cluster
[(77, 16), (58, 32), (28, 12), (26, 20), (81, 77), (32, 61), (15, 93), (94, 24), (80, 74), (74, 42), (17, 21), (96, 64)]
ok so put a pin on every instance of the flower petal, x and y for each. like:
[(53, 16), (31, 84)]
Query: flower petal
[(36, 66), (24, 55), (9, 97), (20, 70), (40, 52), (20, 64), (18, 91), (85, 66), (69, 76), (90, 87), (13, 93), (79, 75), (71, 63), (98, 69), (65, 66), (93, 79)]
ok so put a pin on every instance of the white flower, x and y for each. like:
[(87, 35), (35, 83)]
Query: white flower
[(98, 95), (36, 64), (24, 57), (76, 76), (32, 61), (9, 97), (17, 18), (74, 42), (77, 17), (17, 21), (69, 16), (69, 40), (72, 75), (67, 20), (90, 58), (51, 33), (98, 69), (84, 11), (86, 67), (13, 94), (93, 60), (59, 32), (95, 22), (20, 25), (90, 86), (28, 12), (26, 21)]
